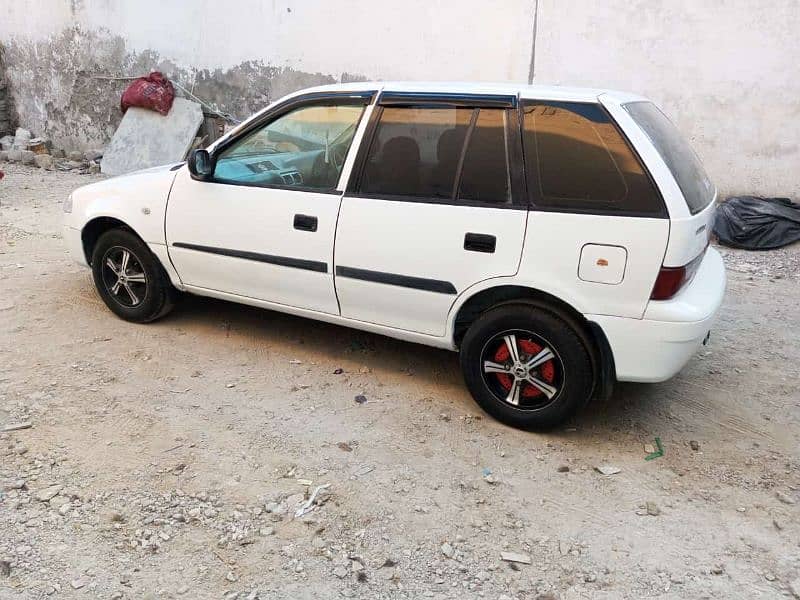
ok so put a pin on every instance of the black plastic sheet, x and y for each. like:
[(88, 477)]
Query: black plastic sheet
[(755, 223)]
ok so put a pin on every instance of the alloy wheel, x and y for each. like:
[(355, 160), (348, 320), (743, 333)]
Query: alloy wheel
[(522, 369), (124, 277)]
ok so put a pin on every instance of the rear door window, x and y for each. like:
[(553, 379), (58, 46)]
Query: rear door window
[(485, 176), (456, 154), (576, 160), (697, 188)]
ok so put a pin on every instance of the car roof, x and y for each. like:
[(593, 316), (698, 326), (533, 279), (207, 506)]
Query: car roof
[(538, 92)]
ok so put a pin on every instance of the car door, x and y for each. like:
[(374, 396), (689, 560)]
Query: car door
[(262, 226), (434, 206)]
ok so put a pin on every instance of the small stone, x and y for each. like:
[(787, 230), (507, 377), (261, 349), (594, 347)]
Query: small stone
[(448, 550), (608, 470), (777, 524), (652, 509), (230, 576), (21, 449), (92, 154), (785, 498), (677, 579), (116, 517), (741, 509), (717, 569), (5, 568), (48, 493), (515, 557), (75, 155), (563, 469), (649, 448), (64, 508), (183, 589), (78, 583), (769, 576), (344, 446), (267, 531), (361, 399), (694, 445), (340, 572), (116, 596), (94, 168), (590, 577)]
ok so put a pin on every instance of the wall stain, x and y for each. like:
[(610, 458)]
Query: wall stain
[(64, 88)]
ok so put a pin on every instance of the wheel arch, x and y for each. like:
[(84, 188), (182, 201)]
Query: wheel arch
[(96, 227), (594, 337)]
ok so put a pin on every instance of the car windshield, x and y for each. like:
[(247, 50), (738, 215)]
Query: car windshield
[(697, 188)]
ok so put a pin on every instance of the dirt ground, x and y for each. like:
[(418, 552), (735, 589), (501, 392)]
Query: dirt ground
[(167, 460)]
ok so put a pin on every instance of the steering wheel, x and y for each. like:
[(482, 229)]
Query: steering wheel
[(326, 174)]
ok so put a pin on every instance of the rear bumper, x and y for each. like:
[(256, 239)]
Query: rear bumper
[(656, 347), (74, 244)]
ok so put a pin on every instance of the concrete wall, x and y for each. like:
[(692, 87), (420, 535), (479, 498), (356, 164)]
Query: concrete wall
[(725, 70)]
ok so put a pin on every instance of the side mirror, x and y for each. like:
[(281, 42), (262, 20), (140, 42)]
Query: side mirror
[(200, 164)]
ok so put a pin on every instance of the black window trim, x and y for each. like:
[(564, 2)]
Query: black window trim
[(519, 195), (533, 194), (337, 98), (438, 99)]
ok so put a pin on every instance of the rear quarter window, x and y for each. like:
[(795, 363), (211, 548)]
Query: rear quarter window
[(686, 168), (576, 160)]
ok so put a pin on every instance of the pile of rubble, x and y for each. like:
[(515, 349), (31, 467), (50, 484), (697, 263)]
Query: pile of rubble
[(28, 150)]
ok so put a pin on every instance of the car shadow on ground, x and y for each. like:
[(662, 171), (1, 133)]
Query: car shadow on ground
[(342, 346)]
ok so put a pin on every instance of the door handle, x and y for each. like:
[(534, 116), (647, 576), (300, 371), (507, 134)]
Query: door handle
[(305, 222), (480, 242)]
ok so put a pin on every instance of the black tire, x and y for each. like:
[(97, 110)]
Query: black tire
[(535, 329), (135, 300)]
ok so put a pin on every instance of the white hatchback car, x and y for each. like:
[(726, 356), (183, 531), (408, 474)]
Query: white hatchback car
[(558, 238)]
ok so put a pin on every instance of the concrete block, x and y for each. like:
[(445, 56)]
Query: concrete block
[(43, 161), (75, 155), (6, 142), (21, 139), (3, 155), (21, 156), (146, 138)]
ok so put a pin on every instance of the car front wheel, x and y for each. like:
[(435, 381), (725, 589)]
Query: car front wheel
[(129, 278), (526, 366)]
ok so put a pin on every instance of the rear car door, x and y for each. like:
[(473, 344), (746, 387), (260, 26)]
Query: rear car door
[(435, 205), (598, 227), (263, 225)]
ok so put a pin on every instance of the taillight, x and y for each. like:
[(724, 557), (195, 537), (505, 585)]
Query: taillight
[(671, 280)]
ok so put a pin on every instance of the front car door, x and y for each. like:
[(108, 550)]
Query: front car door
[(435, 205), (263, 225)]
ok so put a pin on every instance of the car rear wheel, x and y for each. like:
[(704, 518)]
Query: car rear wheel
[(130, 279), (526, 366)]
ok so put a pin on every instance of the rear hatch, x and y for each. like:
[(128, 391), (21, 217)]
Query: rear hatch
[(689, 231)]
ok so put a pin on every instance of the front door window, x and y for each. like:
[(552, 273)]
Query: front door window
[(303, 149)]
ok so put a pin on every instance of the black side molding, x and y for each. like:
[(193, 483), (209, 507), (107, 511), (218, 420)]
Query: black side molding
[(416, 283), (282, 261)]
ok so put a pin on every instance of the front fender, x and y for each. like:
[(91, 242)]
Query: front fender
[(139, 200)]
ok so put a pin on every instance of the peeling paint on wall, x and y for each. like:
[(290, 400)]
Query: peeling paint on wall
[(68, 87)]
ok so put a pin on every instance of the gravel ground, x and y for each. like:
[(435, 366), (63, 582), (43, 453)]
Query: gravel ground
[(169, 460)]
